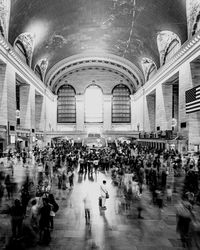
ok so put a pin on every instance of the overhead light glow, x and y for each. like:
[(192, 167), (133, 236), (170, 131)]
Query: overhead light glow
[(39, 29)]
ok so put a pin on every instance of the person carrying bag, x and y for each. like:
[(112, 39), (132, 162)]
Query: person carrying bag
[(104, 194)]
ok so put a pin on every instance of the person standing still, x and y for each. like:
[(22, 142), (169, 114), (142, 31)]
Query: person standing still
[(104, 192), (17, 216)]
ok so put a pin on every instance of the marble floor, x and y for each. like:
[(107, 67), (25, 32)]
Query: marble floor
[(115, 228)]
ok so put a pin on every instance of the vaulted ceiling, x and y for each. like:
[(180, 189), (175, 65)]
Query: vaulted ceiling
[(126, 28)]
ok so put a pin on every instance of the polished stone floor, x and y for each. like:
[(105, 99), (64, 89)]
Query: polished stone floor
[(113, 229)]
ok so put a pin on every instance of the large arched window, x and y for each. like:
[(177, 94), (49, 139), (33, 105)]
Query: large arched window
[(93, 104), (121, 104), (66, 105)]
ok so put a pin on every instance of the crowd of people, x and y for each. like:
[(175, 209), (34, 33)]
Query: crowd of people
[(132, 168)]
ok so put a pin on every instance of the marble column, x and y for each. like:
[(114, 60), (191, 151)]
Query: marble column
[(25, 106), (3, 95), (151, 113), (107, 112), (39, 112), (193, 119), (164, 106), (80, 112)]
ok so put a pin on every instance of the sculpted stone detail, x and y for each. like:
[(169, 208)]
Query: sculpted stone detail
[(164, 39), (147, 66), (43, 65), (193, 16), (27, 40), (4, 17)]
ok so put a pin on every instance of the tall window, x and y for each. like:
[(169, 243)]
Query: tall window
[(121, 105), (66, 105), (93, 104)]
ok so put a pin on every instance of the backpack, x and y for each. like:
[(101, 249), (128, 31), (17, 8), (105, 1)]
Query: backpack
[(55, 207)]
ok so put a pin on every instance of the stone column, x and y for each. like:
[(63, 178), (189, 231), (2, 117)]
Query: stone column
[(164, 106), (137, 113), (192, 120), (3, 96), (25, 106), (133, 120), (151, 113), (7, 97), (175, 107), (11, 94), (80, 112), (32, 106), (107, 112), (39, 112)]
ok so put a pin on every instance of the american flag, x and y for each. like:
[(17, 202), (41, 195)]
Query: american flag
[(192, 97)]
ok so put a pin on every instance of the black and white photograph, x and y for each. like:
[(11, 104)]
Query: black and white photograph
[(99, 124)]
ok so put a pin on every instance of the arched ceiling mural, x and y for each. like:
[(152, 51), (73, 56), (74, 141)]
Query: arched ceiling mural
[(126, 28)]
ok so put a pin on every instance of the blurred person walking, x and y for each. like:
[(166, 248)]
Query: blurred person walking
[(104, 194), (8, 185), (184, 218), (87, 208)]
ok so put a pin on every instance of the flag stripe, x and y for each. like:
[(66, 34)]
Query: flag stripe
[(188, 104), (192, 97), (192, 107)]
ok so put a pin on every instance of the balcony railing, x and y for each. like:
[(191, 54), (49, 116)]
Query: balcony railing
[(160, 135)]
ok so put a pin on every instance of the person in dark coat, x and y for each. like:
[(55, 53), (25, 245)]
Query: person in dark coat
[(54, 209), (8, 185), (44, 220), (184, 218), (17, 216)]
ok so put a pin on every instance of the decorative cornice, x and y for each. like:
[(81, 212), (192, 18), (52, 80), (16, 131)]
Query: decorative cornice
[(73, 63), (9, 54), (61, 79), (187, 50)]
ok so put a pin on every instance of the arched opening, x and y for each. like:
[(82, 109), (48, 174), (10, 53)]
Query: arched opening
[(38, 72), (66, 105), (151, 72), (19, 48), (93, 104), (121, 104), (196, 26), (168, 44), (1, 28), (173, 47), (149, 68)]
